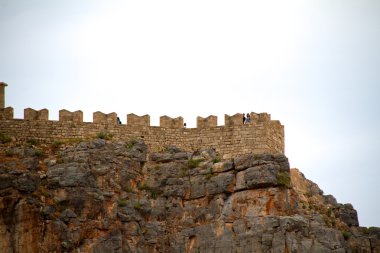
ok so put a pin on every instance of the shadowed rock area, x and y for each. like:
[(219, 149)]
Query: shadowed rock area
[(118, 196)]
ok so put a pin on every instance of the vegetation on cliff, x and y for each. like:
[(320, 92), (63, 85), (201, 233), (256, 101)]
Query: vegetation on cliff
[(105, 195)]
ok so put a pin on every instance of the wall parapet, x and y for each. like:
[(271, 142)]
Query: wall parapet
[(166, 121), (6, 113), (102, 118), (262, 135), (210, 121), (135, 120), (31, 114), (261, 117), (65, 115), (234, 120)]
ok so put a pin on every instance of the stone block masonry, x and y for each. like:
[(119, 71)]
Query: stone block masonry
[(100, 117), (2, 94), (65, 115), (134, 120), (262, 135), (168, 122), (30, 114), (6, 113), (210, 121)]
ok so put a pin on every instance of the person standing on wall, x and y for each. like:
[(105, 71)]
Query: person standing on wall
[(248, 119), (243, 118)]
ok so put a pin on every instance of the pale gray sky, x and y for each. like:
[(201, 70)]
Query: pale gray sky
[(313, 65)]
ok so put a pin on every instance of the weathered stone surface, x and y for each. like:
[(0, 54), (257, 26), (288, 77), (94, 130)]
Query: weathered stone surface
[(245, 161), (171, 154), (112, 243), (197, 187), (27, 183), (258, 177), (347, 214), (67, 214), (306, 186), (48, 212), (102, 196), (223, 166), (220, 183), (69, 175), (251, 203), (331, 200), (161, 157), (6, 181), (251, 160), (261, 176)]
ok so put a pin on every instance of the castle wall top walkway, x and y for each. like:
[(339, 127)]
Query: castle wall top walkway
[(262, 135)]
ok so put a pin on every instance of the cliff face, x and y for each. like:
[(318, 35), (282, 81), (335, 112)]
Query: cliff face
[(103, 196)]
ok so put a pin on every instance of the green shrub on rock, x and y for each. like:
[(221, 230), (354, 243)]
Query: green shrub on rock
[(193, 163), (346, 235), (122, 203), (283, 179), (5, 138), (104, 135)]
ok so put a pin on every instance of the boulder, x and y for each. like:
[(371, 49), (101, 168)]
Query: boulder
[(27, 182), (347, 214), (67, 215)]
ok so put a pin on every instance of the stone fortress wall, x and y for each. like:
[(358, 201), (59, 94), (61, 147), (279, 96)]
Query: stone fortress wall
[(262, 135)]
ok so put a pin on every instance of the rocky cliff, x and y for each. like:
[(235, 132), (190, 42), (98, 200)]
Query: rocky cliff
[(118, 196)]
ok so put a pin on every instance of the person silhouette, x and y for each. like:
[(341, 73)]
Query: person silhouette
[(248, 119)]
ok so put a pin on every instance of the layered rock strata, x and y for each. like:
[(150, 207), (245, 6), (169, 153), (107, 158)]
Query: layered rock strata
[(104, 196)]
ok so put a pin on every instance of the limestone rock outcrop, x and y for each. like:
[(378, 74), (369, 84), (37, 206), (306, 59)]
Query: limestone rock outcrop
[(118, 196)]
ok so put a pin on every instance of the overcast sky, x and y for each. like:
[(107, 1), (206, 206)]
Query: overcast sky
[(313, 65)]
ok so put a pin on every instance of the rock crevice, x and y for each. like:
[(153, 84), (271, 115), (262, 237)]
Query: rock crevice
[(117, 196)]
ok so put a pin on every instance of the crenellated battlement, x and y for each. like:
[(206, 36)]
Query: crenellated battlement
[(135, 120), (102, 118), (30, 114), (210, 121), (6, 113), (262, 135), (168, 122), (65, 115)]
